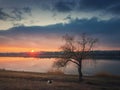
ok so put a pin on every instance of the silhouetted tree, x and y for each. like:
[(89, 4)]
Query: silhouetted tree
[(75, 50)]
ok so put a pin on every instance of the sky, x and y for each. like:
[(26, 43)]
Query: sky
[(39, 25)]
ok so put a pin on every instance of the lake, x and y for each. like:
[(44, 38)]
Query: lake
[(89, 67)]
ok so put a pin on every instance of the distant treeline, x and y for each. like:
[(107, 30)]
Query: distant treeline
[(105, 54), (93, 54)]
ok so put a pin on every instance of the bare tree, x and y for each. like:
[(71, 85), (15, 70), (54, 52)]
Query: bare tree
[(75, 50)]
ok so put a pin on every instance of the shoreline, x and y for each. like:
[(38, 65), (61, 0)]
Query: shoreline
[(15, 80)]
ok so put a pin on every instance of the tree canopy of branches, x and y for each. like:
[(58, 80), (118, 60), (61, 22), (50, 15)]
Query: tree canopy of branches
[(75, 50)]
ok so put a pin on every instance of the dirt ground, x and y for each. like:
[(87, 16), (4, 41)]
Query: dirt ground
[(12, 80)]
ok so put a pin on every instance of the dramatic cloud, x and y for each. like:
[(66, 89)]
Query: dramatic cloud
[(3, 15), (112, 6), (18, 13), (107, 31), (64, 6), (36, 11), (97, 4), (25, 19), (14, 13)]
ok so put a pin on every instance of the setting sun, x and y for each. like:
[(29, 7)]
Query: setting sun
[(32, 51)]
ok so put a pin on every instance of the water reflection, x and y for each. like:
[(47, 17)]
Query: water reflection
[(45, 64), (26, 64)]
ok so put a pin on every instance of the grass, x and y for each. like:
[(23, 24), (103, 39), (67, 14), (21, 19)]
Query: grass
[(13, 80)]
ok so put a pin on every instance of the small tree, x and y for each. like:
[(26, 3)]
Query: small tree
[(75, 50)]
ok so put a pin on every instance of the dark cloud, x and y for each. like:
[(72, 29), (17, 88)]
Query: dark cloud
[(114, 9), (68, 17), (107, 6), (76, 26), (18, 13), (64, 6), (14, 13), (3, 15), (97, 4), (27, 10), (44, 4), (95, 26), (107, 31), (15, 3), (111, 6), (102, 6)]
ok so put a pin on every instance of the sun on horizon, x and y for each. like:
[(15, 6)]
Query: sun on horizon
[(32, 50)]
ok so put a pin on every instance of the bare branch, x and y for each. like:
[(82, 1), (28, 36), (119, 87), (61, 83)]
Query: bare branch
[(92, 42), (71, 48), (74, 62), (75, 50)]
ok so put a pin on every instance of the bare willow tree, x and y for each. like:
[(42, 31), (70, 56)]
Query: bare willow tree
[(75, 50)]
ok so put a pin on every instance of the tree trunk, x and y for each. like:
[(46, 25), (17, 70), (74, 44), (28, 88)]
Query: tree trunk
[(80, 70)]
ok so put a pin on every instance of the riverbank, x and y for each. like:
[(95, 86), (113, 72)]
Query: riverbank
[(12, 80)]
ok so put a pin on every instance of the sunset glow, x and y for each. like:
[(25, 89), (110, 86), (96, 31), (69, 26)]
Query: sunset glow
[(59, 37), (40, 25), (32, 51), (28, 49), (47, 48)]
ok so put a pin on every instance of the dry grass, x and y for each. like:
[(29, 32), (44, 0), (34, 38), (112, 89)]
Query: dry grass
[(11, 80), (55, 72)]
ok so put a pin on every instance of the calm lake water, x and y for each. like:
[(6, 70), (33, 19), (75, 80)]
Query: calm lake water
[(90, 67)]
